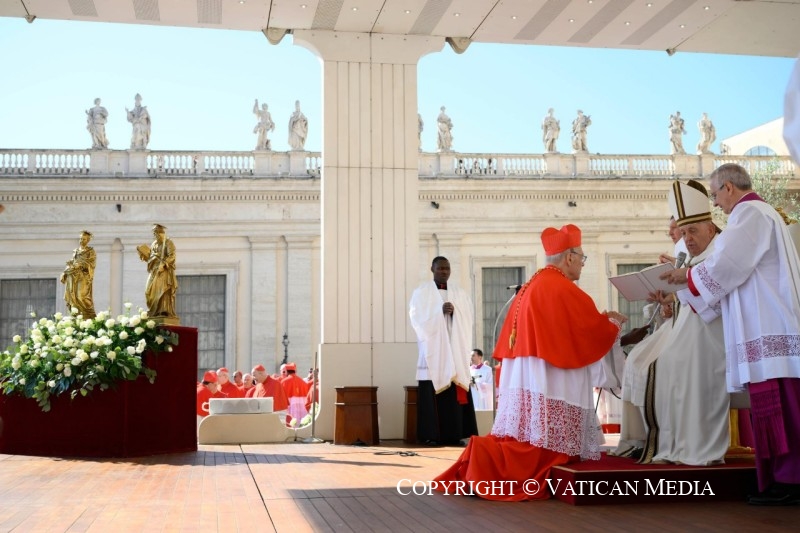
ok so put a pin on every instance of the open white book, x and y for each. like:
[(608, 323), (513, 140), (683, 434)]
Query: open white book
[(636, 286)]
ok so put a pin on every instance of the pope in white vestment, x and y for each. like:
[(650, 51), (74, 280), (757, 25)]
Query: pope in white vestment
[(682, 389), (633, 431), (690, 399)]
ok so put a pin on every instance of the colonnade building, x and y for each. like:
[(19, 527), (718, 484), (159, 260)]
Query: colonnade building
[(247, 227), (330, 256)]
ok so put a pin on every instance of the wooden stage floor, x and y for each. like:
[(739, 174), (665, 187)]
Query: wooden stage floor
[(312, 487)]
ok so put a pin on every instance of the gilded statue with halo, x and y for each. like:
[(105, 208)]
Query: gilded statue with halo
[(162, 283), (78, 276)]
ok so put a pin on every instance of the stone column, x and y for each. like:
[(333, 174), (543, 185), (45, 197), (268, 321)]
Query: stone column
[(369, 215), (263, 304), (299, 317)]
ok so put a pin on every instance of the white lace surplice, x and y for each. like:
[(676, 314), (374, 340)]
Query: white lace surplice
[(553, 408)]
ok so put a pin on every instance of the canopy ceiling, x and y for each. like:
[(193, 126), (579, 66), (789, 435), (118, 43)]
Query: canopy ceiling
[(754, 27)]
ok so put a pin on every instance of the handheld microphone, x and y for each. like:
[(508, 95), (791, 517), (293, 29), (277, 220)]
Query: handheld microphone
[(515, 287), (680, 259)]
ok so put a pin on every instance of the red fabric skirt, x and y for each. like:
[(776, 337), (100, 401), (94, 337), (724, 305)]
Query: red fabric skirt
[(501, 469)]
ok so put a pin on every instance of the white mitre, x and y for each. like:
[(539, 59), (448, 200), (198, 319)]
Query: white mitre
[(688, 202)]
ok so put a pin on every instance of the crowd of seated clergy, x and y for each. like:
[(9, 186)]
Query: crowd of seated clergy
[(290, 393)]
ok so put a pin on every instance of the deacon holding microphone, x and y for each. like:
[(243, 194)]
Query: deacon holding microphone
[(442, 316)]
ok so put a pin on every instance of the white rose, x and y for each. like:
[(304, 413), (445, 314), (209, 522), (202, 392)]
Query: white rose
[(22, 381), (33, 314), (131, 350), (74, 310), (69, 330), (151, 324), (127, 305), (76, 361), (123, 335), (73, 351), (67, 371), (134, 321), (84, 356), (124, 320), (159, 339), (34, 363), (139, 331), (16, 338), (144, 314), (102, 316), (69, 342), (16, 363), (57, 339), (59, 367), (23, 349), (101, 341), (94, 355), (110, 323), (51, 383), (112, 356), (109, 342), (58, 316), (42, 321), (169, 348)]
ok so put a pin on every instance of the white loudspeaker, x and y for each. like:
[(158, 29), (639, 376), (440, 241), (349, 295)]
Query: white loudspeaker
[(230, 406)]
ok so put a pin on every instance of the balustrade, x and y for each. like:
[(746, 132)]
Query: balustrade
[(261, 164)]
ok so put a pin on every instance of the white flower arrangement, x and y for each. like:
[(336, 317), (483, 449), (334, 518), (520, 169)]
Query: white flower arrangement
[(70, 354)]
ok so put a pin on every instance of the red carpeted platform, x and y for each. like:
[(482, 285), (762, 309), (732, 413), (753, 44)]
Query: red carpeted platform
[(138, 418), (617, 480)]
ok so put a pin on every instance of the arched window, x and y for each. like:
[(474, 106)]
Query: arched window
[(760, 150)]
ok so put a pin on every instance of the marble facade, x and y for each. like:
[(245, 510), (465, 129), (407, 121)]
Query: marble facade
[(261, 229)]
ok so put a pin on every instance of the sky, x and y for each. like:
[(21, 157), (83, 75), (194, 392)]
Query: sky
[(199, 86)]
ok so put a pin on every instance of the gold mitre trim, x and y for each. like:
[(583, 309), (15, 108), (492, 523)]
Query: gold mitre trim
[(688, 202)]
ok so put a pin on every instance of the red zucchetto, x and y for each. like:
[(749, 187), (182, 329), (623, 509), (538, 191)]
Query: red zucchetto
[(556, 241)]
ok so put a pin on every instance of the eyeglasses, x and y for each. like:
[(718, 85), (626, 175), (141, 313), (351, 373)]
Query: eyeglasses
[(714, 194), (583, 257)]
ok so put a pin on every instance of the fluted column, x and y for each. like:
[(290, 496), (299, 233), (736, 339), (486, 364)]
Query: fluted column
[(369, 214)]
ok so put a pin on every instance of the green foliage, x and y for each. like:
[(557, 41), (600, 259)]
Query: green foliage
[(69, 354), (774, 189)]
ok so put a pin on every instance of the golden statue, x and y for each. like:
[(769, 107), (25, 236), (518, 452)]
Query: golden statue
[(78, 276), (162, 283)]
